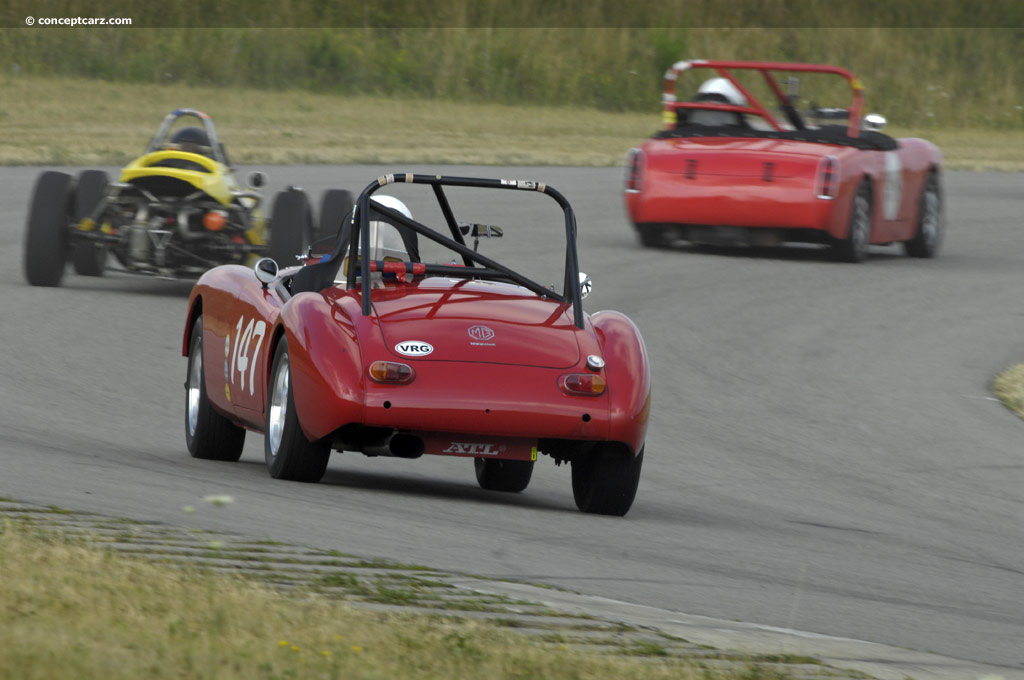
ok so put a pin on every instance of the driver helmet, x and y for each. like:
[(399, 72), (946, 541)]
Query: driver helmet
[(192, 140), (386, 241), (721, 89)]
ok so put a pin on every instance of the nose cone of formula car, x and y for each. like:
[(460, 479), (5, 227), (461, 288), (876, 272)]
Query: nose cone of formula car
[(477, 322)]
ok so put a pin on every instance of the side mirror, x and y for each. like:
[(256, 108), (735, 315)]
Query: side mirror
[(257, 179), (874, 122), (266, 271), (585, 285), (481, 230)]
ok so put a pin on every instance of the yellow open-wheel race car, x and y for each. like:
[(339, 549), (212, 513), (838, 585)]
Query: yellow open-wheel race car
[(176, 211)]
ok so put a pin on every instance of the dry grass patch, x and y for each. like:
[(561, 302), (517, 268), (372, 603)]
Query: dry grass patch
[(65, 121), (75, 611), (1009, 387)]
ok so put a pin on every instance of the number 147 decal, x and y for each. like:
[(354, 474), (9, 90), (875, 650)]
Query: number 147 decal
[(239, 359)]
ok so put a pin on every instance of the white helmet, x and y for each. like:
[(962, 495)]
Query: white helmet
[(724, 88), (385, 240), (393, 203)]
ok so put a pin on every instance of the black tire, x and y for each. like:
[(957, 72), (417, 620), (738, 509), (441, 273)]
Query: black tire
[(291, 227), (605, 482), (289, 454), (208, 434), (854, 248), (651, 235), (503, 475), (335, 206), (89, 257), (46, 230), (930, 221)]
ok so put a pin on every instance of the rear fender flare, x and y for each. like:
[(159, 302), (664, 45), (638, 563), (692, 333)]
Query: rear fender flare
[(628, 374), (326, 365)]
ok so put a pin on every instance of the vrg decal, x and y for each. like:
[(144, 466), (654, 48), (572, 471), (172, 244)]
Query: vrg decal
[(474, 449), (239, 360), (414, 348)]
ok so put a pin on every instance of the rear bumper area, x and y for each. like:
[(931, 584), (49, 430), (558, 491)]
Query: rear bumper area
[(449, 404)]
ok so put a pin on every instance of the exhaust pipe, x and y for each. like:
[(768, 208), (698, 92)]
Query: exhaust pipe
[(396, 445)]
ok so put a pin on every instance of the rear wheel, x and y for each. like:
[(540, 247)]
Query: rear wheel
[(854, 248), (46, 230), (605, 482), (209, 435), (651, 235), (289, 454), (930, 221), (89, 257), (503, 475), (335, 206), (291, 226)]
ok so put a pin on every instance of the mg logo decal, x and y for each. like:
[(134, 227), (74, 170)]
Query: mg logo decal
[(473, 449), (481, 333)]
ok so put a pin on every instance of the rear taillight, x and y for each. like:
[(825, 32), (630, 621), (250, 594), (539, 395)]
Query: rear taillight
[(391, 372), (828, 177), (586, 384), (634, 171)]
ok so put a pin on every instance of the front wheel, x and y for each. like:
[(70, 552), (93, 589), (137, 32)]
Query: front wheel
[(89, 257), (854, 248), (930, 221), (335, 207), (503, 475), (46, 230), (291, 227), (605, 482), (289, 454), (208, 434)]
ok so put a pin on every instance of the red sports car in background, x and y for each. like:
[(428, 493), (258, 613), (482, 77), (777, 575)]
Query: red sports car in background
[(390, 355), (729, 169)]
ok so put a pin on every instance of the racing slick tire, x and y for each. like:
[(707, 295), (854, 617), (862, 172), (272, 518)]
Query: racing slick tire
[(209, 435), (854, 248), (335, 205), (503, 475), (89, 257), (289, 454), (291, 227), (651, 235), (46, 237), (930, 221), (605, 482)]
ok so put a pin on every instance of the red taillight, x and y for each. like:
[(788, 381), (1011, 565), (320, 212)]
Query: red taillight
[(587, 384), (828, 177), (634, 170), (391, 372)]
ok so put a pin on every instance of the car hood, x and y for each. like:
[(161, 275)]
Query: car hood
[(472, 321), (736, 157)]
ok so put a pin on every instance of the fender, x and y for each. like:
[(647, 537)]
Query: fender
[(629, 378), (328, 380)]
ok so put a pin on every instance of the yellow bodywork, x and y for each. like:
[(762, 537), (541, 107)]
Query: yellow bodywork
[(217, 182)]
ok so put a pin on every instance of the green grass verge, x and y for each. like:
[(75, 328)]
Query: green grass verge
[(76, 611), (65, 121)]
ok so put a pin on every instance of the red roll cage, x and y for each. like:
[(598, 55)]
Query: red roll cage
[(670, 104)]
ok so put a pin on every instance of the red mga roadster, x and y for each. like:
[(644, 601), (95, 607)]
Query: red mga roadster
[(729, 169), (389, 355)]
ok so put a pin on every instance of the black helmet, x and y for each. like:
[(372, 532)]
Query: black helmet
[(192, 139)]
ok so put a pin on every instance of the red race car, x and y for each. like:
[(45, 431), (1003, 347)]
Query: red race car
[(389, 355), (729, 169)]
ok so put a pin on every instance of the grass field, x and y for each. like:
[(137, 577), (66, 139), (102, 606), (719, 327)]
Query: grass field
[(64, 121), (76, 611)]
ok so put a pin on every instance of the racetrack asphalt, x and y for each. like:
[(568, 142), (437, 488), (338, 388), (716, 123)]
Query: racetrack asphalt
[(824, 453)]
